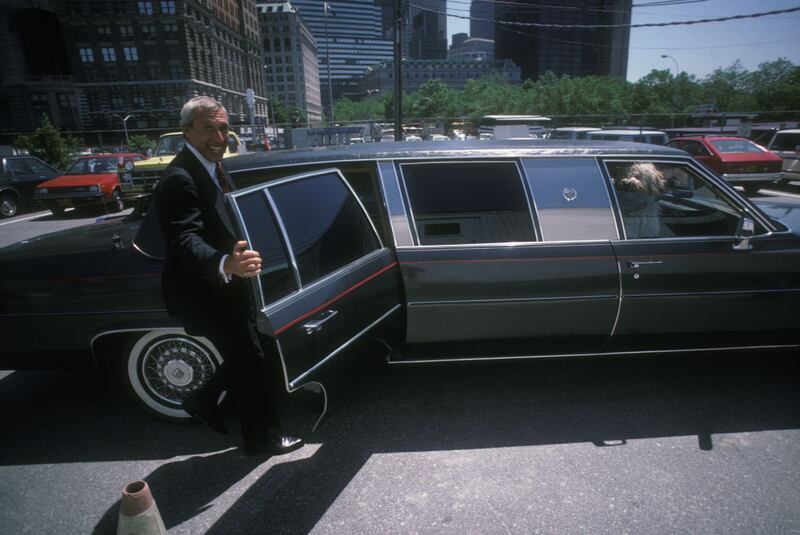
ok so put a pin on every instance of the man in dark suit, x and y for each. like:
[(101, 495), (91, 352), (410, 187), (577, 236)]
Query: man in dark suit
[(205, 279)]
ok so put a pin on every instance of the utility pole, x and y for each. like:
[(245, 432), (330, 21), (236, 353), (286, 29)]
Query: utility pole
[(328, 61), (398, 70)]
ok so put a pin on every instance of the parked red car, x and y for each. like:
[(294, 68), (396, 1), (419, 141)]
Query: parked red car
[(89, 180), (736, 159)]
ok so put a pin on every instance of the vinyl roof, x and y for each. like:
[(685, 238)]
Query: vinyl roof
[(452, 149)]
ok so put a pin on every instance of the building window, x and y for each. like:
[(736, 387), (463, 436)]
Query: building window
[(104, 30), (145, 7), (131, 54), (138, 102), (168, 7), (109, 54), (126, 31), (116, 102), (170, 28), (87, 55)]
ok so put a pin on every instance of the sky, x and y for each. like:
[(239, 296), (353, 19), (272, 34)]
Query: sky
[(700, 48)]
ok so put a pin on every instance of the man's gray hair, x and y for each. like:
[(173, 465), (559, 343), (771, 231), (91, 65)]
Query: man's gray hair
[(202, 103)]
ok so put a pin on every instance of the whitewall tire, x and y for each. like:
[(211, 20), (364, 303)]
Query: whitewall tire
[(162, 367)]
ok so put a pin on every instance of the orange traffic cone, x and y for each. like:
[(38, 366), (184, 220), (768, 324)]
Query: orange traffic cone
[(138, 512)]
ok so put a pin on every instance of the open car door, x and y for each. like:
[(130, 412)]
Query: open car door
[(327, 282)]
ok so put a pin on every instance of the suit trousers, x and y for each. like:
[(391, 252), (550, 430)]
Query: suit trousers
[(245, 374)]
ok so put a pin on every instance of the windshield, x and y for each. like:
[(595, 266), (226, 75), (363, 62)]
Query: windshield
[(170, 145), (736, 145), (86, 166), (786, 142)]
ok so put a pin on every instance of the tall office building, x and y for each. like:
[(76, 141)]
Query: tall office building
[(481, 22), (572, 51), (90, 64), (351, 36), (425, 33), (291, 69)]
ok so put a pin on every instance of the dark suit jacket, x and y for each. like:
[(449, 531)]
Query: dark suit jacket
[(198, 231)]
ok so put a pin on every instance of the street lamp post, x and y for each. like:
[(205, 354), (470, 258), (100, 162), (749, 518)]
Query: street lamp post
[(677, 69), (328, 61), (675, 89), (124, 125)]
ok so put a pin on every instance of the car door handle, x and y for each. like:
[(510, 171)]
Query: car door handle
[(315, 326), (635, 264)]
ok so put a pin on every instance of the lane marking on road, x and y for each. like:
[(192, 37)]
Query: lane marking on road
[(21, 219), (773, 192)]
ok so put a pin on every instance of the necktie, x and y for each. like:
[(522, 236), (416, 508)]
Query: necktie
[(222, 178)]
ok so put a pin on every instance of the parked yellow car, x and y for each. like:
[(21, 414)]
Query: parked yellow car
[(143, 176)]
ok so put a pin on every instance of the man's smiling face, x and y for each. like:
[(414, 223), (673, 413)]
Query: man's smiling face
[(209, 133)]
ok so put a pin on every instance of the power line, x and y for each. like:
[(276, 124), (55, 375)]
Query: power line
[(607, 26), (600, 45), (664, 3), (537, 6)]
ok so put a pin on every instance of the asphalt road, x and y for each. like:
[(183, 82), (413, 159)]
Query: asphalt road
[(662, 444)]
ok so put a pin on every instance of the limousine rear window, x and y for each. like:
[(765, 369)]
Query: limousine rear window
[(571, 199), (468, 202)]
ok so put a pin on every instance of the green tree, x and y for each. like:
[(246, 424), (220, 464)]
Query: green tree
[(49, 144), (140, 143), (432, 100)]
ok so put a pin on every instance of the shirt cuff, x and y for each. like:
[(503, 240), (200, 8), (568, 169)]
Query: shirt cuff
[(226, 277)]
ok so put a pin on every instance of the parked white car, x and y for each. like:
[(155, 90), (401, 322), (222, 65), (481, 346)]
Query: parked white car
[(656, 137), (786, 144)]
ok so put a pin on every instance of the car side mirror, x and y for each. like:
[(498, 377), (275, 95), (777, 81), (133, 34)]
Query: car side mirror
[(744, 232)]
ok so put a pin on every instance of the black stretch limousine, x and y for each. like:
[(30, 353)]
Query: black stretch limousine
[(454, 251)]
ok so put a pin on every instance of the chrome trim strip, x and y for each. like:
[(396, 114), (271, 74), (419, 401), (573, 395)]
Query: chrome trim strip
[(287, 243), (401, 199), (620, 296), (283, 180), (343, 346), (503, 244), (290, 389), (510, 153), (719, 292), (259, 290), (364, 210), (538, 231), (85, 313), (270, 308), (509, 300), (148, 329), (613, 353), (141, 251), (607, 184)]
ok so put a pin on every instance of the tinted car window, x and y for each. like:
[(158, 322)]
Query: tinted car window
[(37, 166), (18, 167), (571, 199), (277, 277), (475, 202), (665, 200), (327, 228), (785, 141)]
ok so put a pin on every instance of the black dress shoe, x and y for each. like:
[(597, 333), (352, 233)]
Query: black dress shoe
[(277, 446), (209, 416)]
